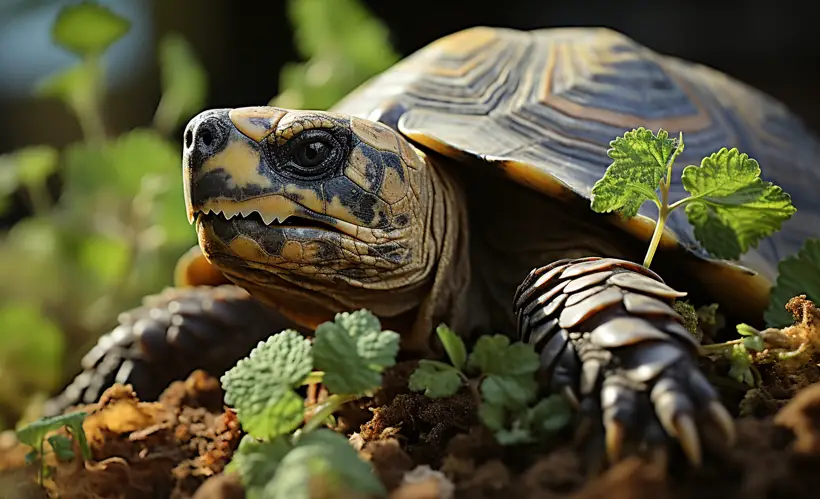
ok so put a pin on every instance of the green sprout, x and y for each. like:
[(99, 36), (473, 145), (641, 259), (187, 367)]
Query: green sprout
[(501, 378), (730, 207), (282, 454), (34, 435)]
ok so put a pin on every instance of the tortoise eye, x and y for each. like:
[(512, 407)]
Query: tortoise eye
[(310, 154)]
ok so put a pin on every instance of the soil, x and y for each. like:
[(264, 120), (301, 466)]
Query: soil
[(420, 448)]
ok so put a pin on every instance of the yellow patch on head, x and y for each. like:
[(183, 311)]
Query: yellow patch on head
[(256, 122), (393, 188), (239, 160), (248, 249), (293, 251), (378, 136)]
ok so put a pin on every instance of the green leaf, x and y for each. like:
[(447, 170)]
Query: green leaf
[(34, 164), (62, 446), (514, 435), (512, 392), (798, 274), (453, 345), (31, 350), (256, 462), (732, 208), (326, 459), (640, 160), (88, 28), (492, 416), (184, 82), (104, 257), (33, 433), (740, 365), (435, 379), (353, 351), (260, 387), (754, 343), (493, 354), (550, 415)]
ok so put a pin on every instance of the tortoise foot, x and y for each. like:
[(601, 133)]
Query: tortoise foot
[(611, 342), (172, 334)]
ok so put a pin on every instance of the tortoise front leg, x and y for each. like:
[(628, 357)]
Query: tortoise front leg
[(610, 341), (172, 334)]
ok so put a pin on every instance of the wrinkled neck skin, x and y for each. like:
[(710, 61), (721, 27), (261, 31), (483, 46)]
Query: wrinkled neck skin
[(412, 300)]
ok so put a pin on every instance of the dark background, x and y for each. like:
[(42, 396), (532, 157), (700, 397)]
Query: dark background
[(772, 45)]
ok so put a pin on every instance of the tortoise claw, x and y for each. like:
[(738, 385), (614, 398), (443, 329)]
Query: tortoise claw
[(687, 435), (610, 341), (615, 436)]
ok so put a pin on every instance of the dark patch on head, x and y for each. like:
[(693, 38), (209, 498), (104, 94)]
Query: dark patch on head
[(401, 220), (392, 252), (393, 160), (260, 122), (357, 200), (374, 170)]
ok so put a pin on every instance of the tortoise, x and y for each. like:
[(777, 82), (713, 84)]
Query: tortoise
[(454, 187)]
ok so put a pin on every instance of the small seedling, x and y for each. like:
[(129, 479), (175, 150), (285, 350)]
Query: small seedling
[(501, 378), (730, 207), (282, 454), (34, 435)]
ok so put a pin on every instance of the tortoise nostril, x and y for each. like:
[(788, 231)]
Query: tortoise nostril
[(207, 137), (189, 139)]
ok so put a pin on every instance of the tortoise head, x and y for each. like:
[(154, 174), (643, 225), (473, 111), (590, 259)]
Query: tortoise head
[(288, 202)]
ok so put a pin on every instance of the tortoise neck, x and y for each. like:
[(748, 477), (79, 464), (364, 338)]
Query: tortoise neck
[(445, 297)]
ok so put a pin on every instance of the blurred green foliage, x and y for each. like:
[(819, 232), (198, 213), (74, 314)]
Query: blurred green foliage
[(118, 225)]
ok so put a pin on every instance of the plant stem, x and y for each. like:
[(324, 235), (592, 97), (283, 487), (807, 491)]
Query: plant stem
[(325, 409), (663, 207), (314, 378), (717, 347)]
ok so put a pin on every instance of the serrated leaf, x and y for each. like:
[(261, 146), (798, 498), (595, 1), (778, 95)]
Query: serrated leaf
[(256, 462), (493, 354), (184, 82), (511, 392), (453, 345), (260, 387), (353, 351), (732, 207), (435, 379), (640, 160), (323, 459), (798, 274), (62, 446), (88, 28)]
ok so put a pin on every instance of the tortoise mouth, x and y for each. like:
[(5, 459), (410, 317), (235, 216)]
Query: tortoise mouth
[(255, 218)]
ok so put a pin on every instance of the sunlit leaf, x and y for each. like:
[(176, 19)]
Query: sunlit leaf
[(184, 82), (34, 164), (88, 28), (76, 86), (104, 257)]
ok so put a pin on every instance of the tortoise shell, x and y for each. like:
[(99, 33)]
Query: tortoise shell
[(542, 106)]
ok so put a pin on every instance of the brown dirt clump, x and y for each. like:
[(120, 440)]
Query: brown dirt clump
[(150, 449)]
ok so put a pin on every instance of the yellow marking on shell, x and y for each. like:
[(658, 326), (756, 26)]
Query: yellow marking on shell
[(256, 122), (643, 227), (691, 123), (738, 292), (293, 251), (241, 161), (378, 136), (465, 41), (393, 188)]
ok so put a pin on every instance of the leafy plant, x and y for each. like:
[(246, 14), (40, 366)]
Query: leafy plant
[(797, 274), (730, 207), (118, 224), (286, 450), (34, 435), (501, 377)]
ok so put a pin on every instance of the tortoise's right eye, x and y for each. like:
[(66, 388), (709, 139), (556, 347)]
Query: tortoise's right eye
[(311, 155)]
